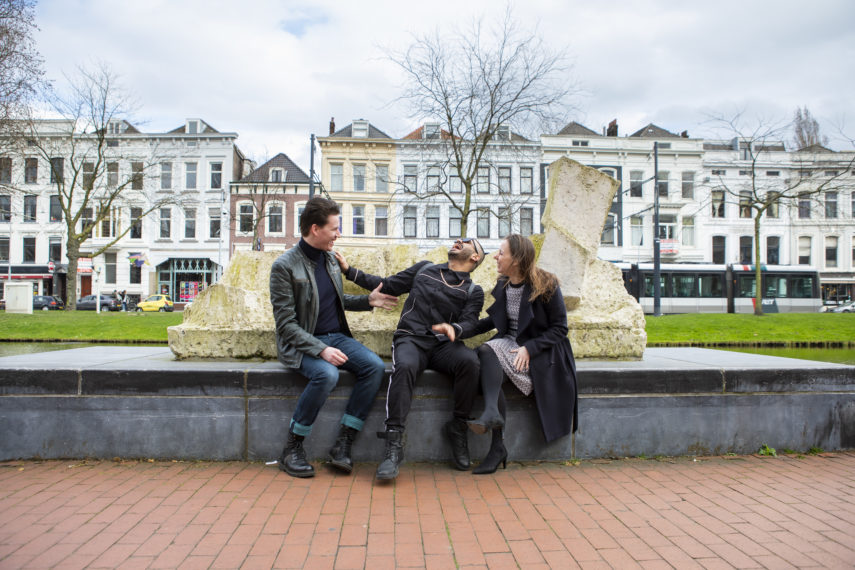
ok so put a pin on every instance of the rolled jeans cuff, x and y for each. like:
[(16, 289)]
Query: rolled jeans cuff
[(352, 422), (300, 429)]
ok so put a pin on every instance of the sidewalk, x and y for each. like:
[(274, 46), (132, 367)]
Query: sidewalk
[(721, 512)]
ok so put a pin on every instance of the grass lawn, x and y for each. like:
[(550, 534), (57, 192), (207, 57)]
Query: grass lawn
[(782, 328), (87, 326)]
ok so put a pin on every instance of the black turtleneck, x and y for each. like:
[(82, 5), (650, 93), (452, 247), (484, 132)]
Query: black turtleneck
[(328, 306)]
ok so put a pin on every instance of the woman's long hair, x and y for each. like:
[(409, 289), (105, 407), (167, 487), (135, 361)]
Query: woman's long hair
[(543, 283)]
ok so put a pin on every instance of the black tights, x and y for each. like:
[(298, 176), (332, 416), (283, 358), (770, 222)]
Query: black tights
[(492, 376)]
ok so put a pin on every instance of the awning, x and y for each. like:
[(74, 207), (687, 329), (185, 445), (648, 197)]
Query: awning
[(26, 272)]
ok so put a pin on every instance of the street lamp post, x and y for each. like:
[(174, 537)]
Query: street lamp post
[(657, 289)]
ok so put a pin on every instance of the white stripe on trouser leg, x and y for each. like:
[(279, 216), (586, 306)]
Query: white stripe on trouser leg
[(389, 387)]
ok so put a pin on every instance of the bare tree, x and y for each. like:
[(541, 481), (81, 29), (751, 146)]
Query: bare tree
[(806, 130), (260, 196), (762, 197), (20, 63), (85, 148), (482, 85)]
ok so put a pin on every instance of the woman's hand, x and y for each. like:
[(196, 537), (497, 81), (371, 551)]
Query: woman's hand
[(446, 329), (521, 360), (342, 262)]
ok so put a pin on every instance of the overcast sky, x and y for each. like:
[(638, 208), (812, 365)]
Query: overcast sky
[(276, 71)]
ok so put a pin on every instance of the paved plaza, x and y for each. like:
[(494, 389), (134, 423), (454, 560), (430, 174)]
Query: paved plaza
[(718, 512)]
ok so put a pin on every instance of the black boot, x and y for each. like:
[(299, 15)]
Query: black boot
[(491, 377), (293, 458), (458, 437), (394, 454), (497, 454), (340, 452)]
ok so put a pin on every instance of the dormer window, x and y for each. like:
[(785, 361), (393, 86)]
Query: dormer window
[(115, 127), (503, 133), (360, 129), (431, 131), (277, 175), (580, 143), (192, 127)]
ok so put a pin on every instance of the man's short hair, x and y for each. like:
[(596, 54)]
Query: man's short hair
[(317, 211)]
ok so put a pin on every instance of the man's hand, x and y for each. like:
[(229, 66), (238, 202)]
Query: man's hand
[(378, 299), (334, 356), (342, 262), (521, 360), (446, 329)]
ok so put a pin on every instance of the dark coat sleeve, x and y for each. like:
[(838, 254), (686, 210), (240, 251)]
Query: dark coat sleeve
[(396, 284), (467, 323)]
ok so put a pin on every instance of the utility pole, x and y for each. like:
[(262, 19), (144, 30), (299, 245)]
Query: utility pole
[(657, 287), (312, 166)]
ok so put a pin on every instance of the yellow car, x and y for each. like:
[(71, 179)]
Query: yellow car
[(156, 303)]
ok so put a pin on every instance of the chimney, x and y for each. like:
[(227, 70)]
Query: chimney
[(332, 125), (685, 134), (612, 130)]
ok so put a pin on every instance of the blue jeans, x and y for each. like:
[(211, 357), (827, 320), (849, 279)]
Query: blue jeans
[(323, 377)]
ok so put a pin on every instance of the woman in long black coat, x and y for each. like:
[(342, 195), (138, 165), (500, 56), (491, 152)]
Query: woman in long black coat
[(530, 348)]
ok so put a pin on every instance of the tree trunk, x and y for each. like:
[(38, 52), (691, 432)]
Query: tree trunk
[(758, 274), (72, 247)]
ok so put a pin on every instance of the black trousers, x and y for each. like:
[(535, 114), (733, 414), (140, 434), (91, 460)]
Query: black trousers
[(411, 355)]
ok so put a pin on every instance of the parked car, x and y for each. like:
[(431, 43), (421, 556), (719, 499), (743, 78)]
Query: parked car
[(844, 308), (156, 303), (108, 303), (47, 303)]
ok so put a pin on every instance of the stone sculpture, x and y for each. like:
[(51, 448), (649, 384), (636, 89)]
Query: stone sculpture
[(234, 319)]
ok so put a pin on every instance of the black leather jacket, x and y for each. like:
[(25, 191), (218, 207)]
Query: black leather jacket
[(294, 295)]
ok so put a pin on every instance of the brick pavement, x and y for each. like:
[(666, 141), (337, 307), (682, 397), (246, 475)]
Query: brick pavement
[(721, 512)]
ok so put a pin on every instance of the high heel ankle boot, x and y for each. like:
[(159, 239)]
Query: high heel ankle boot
[(489, 420), (497, 454)]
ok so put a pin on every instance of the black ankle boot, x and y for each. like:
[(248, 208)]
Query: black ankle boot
[(293, 458), (457, 434), (394, 454), (340, 452), (497, 454)]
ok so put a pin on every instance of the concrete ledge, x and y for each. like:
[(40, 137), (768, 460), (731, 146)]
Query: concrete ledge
[(142, 402)]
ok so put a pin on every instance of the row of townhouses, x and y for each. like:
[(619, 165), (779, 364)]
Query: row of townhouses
[(192, 199)]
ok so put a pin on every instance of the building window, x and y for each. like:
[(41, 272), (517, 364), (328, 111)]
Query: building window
[(190, 223), (165, 175), (773, 250), (381, 178), (55, 209), (5, 170), (455, 223), (662, 183), (432, 181), (744, 203), (359, 178), (483, 223), (636, 225), (216, 175), (432, 222), (526, 221), (831, 204), (110, 268), (112, 174), (165, 223), (29, 250), (804, 206), (336, 177), (719, 172), (214, 223), (136, 223), (505, 222), (274, 219), (381, 221), (483, 182), (108, 224), (689, 185), (504, 180), (688, 234), (456, 187), (635, 178), (852, 205), (831, 251), (30, 201), (245, 218), (773, 173), (86, 220), (411, 178), (54, 249), (136, 176), (774, 208), (526, 180), (56, 170), (31, 170), (804, 250), (717, 200), (580, 143), (410, 226), (667, 226), (5, 208), (88, 175), (719, 248), (4, 249), (746, 249), (190, 170), (135, 274), (276, 175), (609, 230), (359, 220)]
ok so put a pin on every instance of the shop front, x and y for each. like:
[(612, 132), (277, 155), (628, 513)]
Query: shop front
[(184, 278), (42, 277), (837, 288)]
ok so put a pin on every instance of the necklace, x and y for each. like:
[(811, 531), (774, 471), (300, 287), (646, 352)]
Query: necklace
[(447, 284)]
